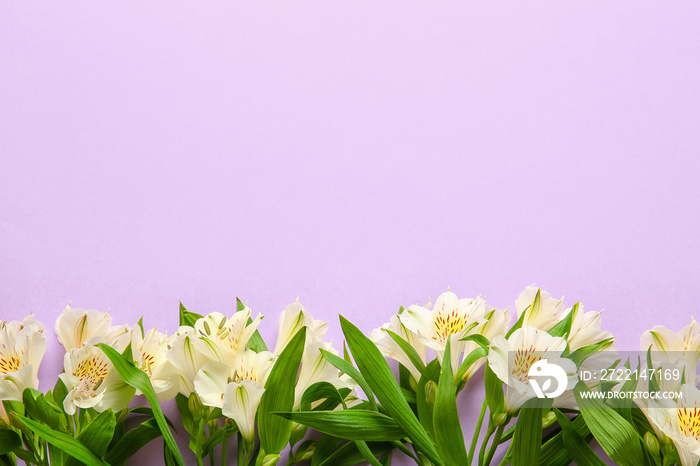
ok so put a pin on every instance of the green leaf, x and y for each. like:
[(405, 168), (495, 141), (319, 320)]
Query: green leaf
[(563, 327), (138, 379), (472, 357), (527, 439), (616, 436), (344, 366), (351, 424), (59, 393), (274, 430), (577, 447), (409, 350), (132, 441), (65, 442), (376, 371), (425, 409), (97, 435), (448, 431), (349, 455), (227, 431), (188, 318), (554, 453), (321, 391), (324, 448), (495, 398), (9, 440), (535, 303)]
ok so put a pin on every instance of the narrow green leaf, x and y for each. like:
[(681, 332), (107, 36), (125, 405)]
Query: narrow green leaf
[(324, 449), (274, 430), (577, 447), (188, 318), (527, 439), (554, 453), (344, 366), (563, 327), (495, 398), (9, 440), (321, 391), (379, 376), (535, 303), (448, 431), (351, 424), (132, 441), (97, 435), (138, 379), (227, 431), (616, 436), (349, 455), (65, 442), (409, 350)]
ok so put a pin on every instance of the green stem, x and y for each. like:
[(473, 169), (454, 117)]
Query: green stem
[(505, 461), (496, 442), (489, 431), (240, 450), (398, 444), (224, 447), (477, 431)]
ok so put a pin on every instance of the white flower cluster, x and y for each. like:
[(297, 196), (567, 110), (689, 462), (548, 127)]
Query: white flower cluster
[(210, 358), (511, 355)]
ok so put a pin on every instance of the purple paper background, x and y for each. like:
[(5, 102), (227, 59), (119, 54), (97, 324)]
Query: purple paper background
[(359, 155)]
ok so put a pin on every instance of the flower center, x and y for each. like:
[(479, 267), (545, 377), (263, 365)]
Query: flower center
[(522, 362), (91, 372), (448, 324), (246, 373), (689, 422), (9, 363)]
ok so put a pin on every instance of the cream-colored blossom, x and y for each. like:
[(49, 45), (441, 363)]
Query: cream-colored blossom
[(540, 308), (22, 347), (230, 334), (511, 360), (389, 348), (291, 320), (451, 318), (92, 381)]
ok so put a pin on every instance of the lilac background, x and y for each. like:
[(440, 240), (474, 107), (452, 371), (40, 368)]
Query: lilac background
[(361, 155)]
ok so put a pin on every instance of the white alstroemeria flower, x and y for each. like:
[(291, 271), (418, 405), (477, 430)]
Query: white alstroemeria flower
[(540, 308), (676, 347), (76, 326), (450, 318), (679, 420), (292, 319), (230, 334), (241, 401), (512, 359), (315, 368), (22, 346), (496, 324), (585, 328), (391, 349), (149, 352), (237, 390), (211, 381), (188, 352), (92, 381)]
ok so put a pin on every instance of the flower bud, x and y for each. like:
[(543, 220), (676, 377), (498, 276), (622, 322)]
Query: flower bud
[(652, 443), (270, 460), (500, 419), (430, 392), (549, 419)]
